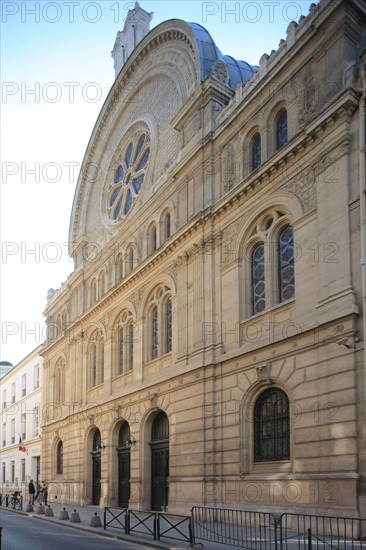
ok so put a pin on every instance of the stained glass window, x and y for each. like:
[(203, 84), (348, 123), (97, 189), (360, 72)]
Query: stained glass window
[(128, 178), (120, 350), (169, 325), (258, 280), (154, 332), (282, 129), (271, 426), (130, 346), (94, 365), (286, 264), (256, 151)]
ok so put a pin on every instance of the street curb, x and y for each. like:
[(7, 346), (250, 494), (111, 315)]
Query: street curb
[(99, 531)]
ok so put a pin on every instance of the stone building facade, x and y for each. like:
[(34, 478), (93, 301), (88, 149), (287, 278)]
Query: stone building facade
[(21, 411), (208, 347)]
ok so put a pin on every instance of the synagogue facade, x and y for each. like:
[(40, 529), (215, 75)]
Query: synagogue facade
[(208, 347)]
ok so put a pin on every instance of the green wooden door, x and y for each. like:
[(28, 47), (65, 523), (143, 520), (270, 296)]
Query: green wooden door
[(97, 461), (160, 476), (124, 467)]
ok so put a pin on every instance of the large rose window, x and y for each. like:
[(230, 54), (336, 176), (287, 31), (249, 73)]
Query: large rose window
[(128, 177)]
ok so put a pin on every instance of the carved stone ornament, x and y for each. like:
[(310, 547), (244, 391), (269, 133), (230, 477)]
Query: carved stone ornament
[(230, 243), (303, 187), (220, 72)]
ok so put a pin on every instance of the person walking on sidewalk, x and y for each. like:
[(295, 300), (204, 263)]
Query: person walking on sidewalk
[(43, 493), (32, 491)]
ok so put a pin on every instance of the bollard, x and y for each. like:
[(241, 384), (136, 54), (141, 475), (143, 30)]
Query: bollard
[(48, 511), (64, 514), (7, 501), (40, 509), (95, 521), (29, 507), (75, 518)]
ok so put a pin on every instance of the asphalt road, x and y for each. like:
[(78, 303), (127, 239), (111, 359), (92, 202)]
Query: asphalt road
[(27, 533)]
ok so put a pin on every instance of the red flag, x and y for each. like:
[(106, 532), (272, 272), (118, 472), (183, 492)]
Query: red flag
[(22, 446)]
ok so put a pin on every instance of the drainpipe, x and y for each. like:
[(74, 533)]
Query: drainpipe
[(362, 171)]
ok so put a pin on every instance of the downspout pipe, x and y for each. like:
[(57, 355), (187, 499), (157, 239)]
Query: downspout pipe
[(362, 175)]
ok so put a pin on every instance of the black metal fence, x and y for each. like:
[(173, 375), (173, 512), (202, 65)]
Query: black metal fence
[(156, 525), (269, 531)]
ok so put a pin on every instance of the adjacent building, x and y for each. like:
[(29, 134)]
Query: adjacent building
[(21, 412), (208, 347)]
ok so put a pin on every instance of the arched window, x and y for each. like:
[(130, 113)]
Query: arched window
[(119, 268), (124, 435), (271, 426), (160, 323), (152, 239), (258, 279), (281, 129), (270, 274), (59, 382), (93, 292), (160, 427), (129, 259), (167, 227), (154, 332), (101, 284), (286, 266), (256, 151), (93, 365), (96, 360), (168, 326), (125, 338), (59, 458)]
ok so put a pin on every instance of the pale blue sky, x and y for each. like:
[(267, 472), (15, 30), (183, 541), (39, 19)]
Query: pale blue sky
[(44, 46)]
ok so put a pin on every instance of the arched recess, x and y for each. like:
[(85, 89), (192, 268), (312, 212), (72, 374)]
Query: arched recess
[(123, 451), (250, 461), (160, 462), (93, 466), (151, 445)]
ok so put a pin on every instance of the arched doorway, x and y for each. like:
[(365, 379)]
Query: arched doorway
[(124, 465), (96, 467), (160, 463)]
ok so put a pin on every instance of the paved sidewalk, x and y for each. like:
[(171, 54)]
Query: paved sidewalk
[(86, 514)]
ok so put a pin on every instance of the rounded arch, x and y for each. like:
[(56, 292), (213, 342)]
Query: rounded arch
[(247, 431), (196, 57), (283, 201), (92, 461), (163, 280), (148, 443)]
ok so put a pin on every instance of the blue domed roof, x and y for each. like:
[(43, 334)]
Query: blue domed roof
[(239, 71)]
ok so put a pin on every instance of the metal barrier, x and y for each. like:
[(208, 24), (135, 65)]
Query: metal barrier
[(267, 531), (311, 532), (157, 525), (115, 520), (246, 529)]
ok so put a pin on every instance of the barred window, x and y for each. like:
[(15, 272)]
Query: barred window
[(271, 426), (59, 458)]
